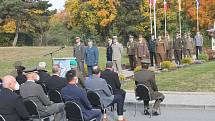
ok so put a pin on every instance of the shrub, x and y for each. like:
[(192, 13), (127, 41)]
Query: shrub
[(168, 65), (187, 61), (203, 56), (122, 77), (137, 69)]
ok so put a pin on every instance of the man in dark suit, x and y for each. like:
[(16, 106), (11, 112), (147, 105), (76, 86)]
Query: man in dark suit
[(112, 79), (33, 91), (43, 74), (99, 85), (73, 93), (148, 79), (11, 104), (55, 82)]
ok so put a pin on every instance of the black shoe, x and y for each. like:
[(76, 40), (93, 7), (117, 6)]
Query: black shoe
[(146, 112), (155, 113)]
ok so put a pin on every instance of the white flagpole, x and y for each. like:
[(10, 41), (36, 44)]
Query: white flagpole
[(155, 29), (197, 19), (151, 17), (179, 1), (165, 15)]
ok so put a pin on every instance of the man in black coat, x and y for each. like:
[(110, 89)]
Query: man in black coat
[(43, 74), (55, 82), (152, 50), (112, 79), (11, 104)]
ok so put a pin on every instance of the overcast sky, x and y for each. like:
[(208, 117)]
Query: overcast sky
[(57, 4)]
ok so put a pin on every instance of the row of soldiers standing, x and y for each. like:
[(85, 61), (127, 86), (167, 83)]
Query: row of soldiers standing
[(163, 49)]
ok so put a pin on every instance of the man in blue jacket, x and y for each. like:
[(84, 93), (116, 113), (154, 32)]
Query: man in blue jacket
[(73, 93), (91, 56)]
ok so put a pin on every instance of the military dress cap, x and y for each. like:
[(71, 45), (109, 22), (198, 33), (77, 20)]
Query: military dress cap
[(17, 63), (77, 37), (130, 36), (31, 70), (114, 37)]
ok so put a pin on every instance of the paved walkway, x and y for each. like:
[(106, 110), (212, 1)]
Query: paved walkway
[(199, 100)]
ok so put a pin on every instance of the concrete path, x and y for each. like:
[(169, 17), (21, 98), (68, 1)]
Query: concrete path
[(199, 100)]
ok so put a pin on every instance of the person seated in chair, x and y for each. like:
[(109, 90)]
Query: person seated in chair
[(97, 84), (148, 79), (73, 93), (112, 79), (55, 82), (33, 91), (11, 104), (43, 74)]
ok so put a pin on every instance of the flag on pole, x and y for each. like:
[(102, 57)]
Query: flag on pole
[(179, 5), (197, 4), (165, 5)]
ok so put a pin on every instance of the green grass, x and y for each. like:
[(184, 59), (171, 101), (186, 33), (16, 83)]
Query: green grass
[(194, 78), (31, 56)]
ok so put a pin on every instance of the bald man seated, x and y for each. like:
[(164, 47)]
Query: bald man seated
[(33, 91), (11, 104)]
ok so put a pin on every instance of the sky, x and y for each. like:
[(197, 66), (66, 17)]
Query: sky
[(57, 4)]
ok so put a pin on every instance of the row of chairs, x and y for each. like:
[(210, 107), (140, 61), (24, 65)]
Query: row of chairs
[(73, 111)]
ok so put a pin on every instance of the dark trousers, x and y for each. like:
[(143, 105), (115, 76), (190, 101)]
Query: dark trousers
[(198, 51), (132, 61), (177, 54), (118, 99), (94, 113), (169, 55), (152, 58), (90, 70), (120, 92)]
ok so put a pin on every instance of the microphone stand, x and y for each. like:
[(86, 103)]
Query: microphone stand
[(51, 53)]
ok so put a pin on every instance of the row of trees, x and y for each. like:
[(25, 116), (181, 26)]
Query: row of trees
[(98, 19), (27, 18)]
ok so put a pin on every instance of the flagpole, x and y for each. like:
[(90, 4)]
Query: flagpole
[(197, 19), (155, 29), (165, 15), (179, 2), (151, 17)]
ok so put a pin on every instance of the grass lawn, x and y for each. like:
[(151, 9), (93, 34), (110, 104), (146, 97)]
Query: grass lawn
[(196, 78), (193, 78), (30, 56)]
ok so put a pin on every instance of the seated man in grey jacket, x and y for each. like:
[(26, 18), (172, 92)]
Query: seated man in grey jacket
[(99, 85), (33, 91)]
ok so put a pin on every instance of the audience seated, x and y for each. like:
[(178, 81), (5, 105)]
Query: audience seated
[(43, 74), (112, 79), (73, 93), (32, 91), (55, 82), (11, 104), (148, 79), (97, 84)]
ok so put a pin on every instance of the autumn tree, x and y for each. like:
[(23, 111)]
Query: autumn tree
[(15, 10), (95, 17)]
